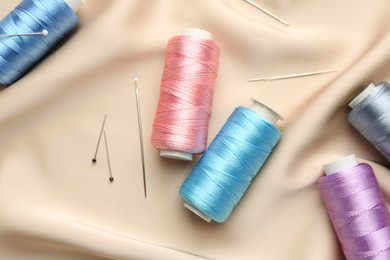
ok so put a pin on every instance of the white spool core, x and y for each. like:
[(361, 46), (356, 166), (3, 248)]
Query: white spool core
[(178, 155), (340, 164), (75, 4), (197, 212), (265, 111), (197, 32), (359, 98)]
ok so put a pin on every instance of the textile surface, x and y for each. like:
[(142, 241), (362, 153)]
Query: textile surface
[(55, 204)]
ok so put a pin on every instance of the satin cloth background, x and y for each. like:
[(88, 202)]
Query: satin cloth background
[(54, 204)]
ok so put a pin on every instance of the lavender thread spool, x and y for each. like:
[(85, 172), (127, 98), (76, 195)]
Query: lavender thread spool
[(357, 209)]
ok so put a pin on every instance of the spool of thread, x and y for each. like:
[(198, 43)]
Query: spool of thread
[(357, 209), (181, 122), (370, 115), (232, 161), (19, 53)]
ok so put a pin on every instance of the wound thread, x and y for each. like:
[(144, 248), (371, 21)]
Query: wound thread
[(371, 117), (185, 103), (18, 54), (229, 165), (358, 212)]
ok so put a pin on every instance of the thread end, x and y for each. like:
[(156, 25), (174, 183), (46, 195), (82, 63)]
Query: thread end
[(197, 32), (362, 95), (197, 212), (75, 4), (178, 155), (265, 111), (340, 164)]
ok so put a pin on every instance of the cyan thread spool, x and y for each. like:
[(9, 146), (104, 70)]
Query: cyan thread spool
[(231, 162), (370, 115), (19, 52)]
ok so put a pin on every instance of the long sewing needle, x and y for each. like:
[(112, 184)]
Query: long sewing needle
[(44, 33), (140, 132), (108, 156), (268, 12), (100, 137), (292, 75)]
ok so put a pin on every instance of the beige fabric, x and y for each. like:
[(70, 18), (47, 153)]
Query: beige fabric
[(54, 204)]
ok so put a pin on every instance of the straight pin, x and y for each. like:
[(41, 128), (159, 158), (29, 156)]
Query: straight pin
[(268, 12), (292, 75), (140, 132), (100, 137), (44, 33), (108, 157)]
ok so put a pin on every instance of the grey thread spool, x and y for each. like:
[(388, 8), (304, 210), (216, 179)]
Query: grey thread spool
[(370, 115)]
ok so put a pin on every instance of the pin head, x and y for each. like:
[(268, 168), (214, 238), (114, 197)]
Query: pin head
[(45, 32), (111, 179)]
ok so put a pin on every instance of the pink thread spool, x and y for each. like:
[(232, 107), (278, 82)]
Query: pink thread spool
[(181, 122), (357, 209)]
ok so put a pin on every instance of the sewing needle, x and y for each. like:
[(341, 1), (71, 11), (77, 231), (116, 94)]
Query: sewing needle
[(140, 132), (268, 12), (292, 75)]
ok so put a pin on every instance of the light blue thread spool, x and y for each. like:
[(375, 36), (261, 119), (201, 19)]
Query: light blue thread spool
[(19, 53), (233, 159)]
